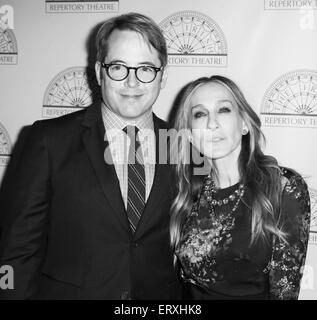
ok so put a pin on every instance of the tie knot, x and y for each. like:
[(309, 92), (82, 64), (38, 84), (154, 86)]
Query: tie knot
[(132, 132)]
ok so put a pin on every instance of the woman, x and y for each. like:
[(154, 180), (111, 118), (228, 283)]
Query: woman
[(240, 232)]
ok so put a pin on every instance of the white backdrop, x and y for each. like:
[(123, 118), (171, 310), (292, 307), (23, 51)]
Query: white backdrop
[(266, 46)]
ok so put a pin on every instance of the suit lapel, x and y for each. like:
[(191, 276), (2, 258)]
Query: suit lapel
[(96, 147)]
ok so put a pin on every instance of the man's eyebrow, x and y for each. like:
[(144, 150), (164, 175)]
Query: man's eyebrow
[(117, 61), (147, 63), (139, 64)]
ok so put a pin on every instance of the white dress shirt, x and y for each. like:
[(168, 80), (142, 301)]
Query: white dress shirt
[(115, 135)]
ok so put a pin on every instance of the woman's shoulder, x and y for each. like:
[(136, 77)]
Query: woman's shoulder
[(292, 180), (295, 191)]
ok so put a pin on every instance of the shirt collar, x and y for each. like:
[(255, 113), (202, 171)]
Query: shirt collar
[(113, 121)]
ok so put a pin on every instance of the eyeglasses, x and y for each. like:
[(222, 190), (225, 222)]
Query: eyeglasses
[(119, 72)]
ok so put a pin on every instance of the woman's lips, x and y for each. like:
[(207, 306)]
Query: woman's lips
[(217, 139)]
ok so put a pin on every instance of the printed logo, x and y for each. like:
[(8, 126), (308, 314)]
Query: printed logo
[(8, 47), (6, 277), (194, 39), (71, 90), (313, 218), (6, 17), (289, 4), (5, 146), (81, 6), (291, 101)]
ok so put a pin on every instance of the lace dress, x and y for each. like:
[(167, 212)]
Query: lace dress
[(217, 261)]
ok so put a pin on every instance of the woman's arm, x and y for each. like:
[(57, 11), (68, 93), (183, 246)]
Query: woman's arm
[(288, 259)]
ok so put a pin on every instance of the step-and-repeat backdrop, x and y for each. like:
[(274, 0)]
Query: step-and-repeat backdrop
[(268, 47)]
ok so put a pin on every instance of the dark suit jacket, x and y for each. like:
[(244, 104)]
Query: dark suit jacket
[(64, 228)]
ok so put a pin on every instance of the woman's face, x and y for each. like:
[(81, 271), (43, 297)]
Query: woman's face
[(215, 122)]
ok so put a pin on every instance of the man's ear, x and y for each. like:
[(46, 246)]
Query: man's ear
[(98, 70), (164, 77)]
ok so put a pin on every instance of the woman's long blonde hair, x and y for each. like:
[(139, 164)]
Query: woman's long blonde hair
[(259, 172)]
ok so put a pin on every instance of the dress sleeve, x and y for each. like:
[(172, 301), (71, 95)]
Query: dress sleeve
[(288, 259)]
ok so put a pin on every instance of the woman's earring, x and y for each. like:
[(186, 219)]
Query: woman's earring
[(244, 132)]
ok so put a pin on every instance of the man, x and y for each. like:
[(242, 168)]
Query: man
[(78, 226)]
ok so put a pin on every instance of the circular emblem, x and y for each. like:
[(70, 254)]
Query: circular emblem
[(5, 146), (193, 38), (8, 47), (71, 90), (292, 100)]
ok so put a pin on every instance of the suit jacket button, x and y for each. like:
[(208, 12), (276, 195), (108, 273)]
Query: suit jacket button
[(125, 295), (135, 244)]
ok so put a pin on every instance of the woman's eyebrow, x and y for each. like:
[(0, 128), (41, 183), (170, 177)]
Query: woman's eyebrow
[(198, 106), (225, 100)]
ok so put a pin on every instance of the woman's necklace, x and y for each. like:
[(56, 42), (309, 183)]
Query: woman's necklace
[(210, 190)]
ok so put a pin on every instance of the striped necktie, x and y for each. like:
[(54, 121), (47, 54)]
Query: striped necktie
[(136, 178)]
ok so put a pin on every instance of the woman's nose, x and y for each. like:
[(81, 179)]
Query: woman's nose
[(212, 122)]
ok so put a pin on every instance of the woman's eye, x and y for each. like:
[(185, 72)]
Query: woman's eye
[(199, 114), (224, 110)]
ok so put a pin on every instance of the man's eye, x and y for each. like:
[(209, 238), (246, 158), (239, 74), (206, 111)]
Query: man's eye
[(116, 67), (199, 114), (146, 69)]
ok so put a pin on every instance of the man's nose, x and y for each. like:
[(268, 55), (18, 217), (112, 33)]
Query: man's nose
[(132, 80)]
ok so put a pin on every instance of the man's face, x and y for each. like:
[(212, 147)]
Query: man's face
[(129, 98)]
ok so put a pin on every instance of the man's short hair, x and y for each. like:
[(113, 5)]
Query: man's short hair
[(135, 22)]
